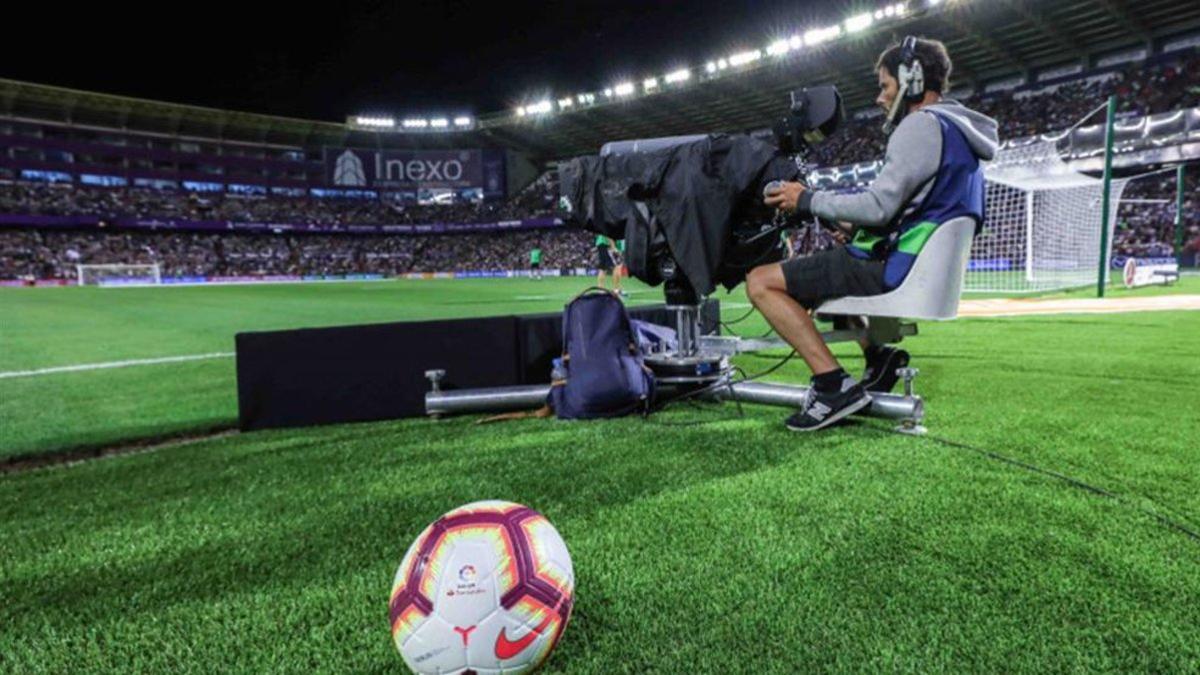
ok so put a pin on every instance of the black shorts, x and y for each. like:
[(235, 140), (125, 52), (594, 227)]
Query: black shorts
[(604, 259), (535, 266), (833, 273)]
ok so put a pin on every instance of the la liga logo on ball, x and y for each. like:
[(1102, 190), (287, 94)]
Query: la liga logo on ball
[(466, 574), (488, 586)]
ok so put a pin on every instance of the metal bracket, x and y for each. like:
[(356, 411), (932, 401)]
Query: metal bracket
[(728, 345), (911, 425), (435, 381)]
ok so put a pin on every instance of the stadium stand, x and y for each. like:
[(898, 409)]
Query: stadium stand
[(1142, 89), (1146, 230), (66, 199), (43, 254), (47, 254), (1160, 84), (27, 253)]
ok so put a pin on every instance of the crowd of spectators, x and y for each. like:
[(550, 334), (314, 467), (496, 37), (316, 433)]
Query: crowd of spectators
[(65, 199), (1146, 218), (1140, 90), (1144, 229), (49, 254), (55, 254)]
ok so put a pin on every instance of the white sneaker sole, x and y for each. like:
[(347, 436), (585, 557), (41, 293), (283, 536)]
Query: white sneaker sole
[(841, 414)]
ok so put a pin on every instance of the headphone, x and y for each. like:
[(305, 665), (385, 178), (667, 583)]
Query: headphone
[(911, 79), (911, 74)]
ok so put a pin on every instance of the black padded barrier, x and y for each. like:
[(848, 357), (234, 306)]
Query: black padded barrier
[(311, 376)]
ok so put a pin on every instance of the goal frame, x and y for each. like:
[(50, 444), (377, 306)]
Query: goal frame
[(156, 273)]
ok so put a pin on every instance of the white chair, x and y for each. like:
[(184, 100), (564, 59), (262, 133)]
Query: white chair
[(930, 291), (933, 285)]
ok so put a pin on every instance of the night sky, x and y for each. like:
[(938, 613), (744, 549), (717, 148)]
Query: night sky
[(414, 58)]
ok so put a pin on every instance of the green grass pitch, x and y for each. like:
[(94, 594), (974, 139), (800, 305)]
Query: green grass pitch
[(1042, 526)]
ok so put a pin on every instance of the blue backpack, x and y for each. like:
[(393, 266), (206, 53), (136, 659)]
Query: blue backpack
[(601, 372)]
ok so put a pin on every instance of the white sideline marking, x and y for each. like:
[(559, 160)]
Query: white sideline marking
[(114, 364), (1028, 307)]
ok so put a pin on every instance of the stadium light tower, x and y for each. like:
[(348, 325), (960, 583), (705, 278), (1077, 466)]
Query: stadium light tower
[(859, 22), (680, 75), (742, 58), (818, 36), (780, 47), (371, 121)]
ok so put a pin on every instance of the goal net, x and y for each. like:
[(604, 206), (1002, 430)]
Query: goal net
[(119, 275), (1042, 225)]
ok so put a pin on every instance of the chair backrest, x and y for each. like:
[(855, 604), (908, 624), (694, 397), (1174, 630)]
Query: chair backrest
[(933, 285)]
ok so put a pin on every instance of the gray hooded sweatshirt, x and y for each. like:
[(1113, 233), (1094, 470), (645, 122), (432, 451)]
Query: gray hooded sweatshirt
[(914, 154)]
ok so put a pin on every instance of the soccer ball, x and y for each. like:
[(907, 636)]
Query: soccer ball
[(486, 588)]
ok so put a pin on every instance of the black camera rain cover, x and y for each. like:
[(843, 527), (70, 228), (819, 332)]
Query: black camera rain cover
[(696, 194)]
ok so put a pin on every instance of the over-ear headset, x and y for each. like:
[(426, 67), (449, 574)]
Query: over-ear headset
[(911, 74), (911, 79)]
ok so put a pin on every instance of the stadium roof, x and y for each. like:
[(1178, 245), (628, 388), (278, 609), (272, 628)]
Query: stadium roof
[(988, 41)]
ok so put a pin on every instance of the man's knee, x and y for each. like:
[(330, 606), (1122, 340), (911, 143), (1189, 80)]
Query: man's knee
[(764, 280)]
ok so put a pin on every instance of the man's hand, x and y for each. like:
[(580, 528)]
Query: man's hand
[(844, 232), (785, 197)]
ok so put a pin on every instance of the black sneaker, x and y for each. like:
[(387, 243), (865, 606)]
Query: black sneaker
[(820, 410), (880, 373)]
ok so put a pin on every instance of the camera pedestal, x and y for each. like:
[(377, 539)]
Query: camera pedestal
[(908, 408), (698, 362), (689, 363)]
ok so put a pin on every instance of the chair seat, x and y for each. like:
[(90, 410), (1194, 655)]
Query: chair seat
[(933, 285)]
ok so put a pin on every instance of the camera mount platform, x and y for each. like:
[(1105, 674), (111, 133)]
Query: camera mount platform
[(696, 362)]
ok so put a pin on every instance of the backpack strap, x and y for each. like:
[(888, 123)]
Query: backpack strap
[(594, 290)]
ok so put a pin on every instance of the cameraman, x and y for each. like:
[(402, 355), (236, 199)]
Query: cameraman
[(930, 174)]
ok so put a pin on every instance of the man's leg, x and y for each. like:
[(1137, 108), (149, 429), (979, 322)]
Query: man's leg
[(767, 291), (833, 394), (600, 279), (882, 361)]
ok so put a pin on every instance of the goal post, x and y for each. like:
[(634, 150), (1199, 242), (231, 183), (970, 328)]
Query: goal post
[(119, 275), (1179, 177), (1106, 207), (1045, 223)]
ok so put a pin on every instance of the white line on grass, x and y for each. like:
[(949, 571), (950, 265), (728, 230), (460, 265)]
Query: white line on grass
[(114, 364)]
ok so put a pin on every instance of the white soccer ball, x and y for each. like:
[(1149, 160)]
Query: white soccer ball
[(486, 588)]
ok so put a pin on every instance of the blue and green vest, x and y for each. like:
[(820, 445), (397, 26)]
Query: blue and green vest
[(957, 191)]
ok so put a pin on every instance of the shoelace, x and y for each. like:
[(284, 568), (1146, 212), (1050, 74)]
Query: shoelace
[(810, 397)]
